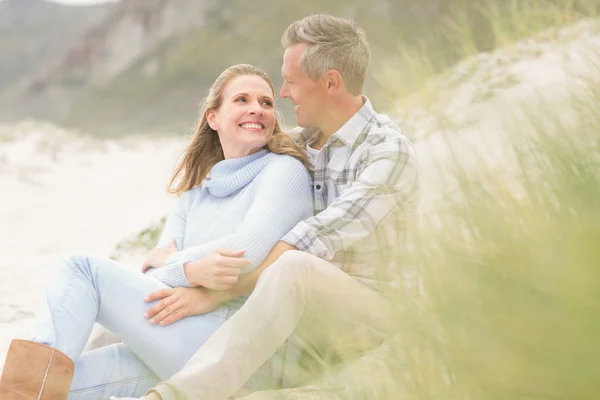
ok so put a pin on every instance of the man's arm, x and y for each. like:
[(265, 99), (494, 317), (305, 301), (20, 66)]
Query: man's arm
[(173, 304), (247, 282), (386, 181)]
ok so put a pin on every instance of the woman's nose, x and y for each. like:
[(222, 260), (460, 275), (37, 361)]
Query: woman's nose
[(255, 110)]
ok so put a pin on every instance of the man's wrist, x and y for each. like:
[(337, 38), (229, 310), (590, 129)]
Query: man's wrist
[(221, 296), (190, 271)]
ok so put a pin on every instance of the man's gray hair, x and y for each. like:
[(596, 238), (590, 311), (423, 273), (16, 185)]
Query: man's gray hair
[(333, 43)]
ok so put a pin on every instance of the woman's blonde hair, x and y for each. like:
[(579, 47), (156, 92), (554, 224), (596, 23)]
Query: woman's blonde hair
[(205, 150)]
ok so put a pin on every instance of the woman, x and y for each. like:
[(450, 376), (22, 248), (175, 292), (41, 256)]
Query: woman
[(243, 186)]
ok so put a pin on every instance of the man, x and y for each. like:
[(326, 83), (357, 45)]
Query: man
[(325, 273)]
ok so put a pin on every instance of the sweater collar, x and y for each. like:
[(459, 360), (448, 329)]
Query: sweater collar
[(228, 176)]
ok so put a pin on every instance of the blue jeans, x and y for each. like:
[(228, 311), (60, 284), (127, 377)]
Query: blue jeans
[(90, 289)]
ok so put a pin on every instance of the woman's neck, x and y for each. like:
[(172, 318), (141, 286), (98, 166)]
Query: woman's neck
[(230, 175)]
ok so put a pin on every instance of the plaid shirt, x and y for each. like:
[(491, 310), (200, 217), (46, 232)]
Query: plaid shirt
[(365, 181), (365, 190)]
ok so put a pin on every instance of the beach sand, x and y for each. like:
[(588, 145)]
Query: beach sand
[(62, 193)]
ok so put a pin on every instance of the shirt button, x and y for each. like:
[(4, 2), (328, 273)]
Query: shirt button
[(318, 187)]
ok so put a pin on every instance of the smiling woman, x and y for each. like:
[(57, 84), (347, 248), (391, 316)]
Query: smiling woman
[(246, 92), (238, 199), (246, 119)]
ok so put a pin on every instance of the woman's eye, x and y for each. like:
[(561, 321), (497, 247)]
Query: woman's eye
[(268, 103), (241, 98)]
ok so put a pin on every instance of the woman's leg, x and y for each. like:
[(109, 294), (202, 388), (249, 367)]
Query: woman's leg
[(89, 289), (113, 370)]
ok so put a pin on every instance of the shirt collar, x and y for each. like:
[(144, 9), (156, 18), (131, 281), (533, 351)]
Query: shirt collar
[(350, 131)]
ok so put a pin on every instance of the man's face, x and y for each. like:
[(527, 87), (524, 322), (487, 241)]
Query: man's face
[(309, 97)]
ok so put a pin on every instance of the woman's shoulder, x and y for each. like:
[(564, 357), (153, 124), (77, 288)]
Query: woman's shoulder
[(282, 169), (195, 191), (190, 195), (284, 164)]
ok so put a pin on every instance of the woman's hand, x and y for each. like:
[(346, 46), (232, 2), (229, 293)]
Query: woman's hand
[(219, 270), (158, 257), (181, 302)]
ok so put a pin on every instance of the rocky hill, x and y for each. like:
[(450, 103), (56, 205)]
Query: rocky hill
[(35, 32), (148, 63)]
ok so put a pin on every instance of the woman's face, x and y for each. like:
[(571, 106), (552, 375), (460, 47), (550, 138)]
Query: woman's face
[(246, 119)]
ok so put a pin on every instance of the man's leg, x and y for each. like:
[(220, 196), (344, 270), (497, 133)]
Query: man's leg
[(299, 296)]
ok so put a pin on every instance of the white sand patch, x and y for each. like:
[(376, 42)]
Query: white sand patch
[(63, 193)]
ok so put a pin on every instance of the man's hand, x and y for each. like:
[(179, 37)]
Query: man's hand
[(219, 270), (177, 303), (247, 282), (158, 257)]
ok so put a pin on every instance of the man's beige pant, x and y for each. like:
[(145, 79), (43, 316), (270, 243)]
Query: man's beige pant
[(300, 297)]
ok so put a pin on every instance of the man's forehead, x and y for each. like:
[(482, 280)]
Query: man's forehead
[(293, 54)]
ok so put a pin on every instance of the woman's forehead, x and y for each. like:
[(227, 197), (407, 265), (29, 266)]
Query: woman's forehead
[(248, 84)]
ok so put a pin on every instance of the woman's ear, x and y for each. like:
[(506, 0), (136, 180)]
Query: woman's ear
[(211, 118)]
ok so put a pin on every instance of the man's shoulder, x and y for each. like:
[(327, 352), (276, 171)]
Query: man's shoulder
[(384, 134), (382, 125)]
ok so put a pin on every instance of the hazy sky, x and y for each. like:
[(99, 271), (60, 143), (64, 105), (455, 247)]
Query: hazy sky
[(81, 1)]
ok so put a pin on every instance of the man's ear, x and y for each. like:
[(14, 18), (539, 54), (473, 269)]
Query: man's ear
[(334, 80), (211, 118)]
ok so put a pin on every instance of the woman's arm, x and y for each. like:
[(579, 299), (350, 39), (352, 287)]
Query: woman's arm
[(174, 229), (283, 198), (172, 236)]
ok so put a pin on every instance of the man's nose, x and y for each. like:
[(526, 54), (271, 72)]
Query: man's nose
[(283, 93)]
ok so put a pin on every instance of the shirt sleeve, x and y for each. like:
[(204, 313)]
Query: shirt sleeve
[(283, 197), (385, 181)]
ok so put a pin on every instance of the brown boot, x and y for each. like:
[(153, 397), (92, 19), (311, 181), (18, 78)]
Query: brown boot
[(34, 371)]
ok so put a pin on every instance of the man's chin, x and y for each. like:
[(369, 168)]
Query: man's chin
[(304, 124)]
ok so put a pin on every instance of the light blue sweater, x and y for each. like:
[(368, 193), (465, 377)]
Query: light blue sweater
[(248, 203)]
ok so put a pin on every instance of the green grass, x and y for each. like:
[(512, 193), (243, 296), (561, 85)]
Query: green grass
[(511, 269), (405, 67)]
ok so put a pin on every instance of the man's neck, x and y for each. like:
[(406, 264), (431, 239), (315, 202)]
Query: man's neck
[(337, 116)]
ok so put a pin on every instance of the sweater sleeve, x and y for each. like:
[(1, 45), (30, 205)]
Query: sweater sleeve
[(174, 230), (175, 224), (283, 197)]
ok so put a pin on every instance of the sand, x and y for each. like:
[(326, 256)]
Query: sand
[(63, 193)]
